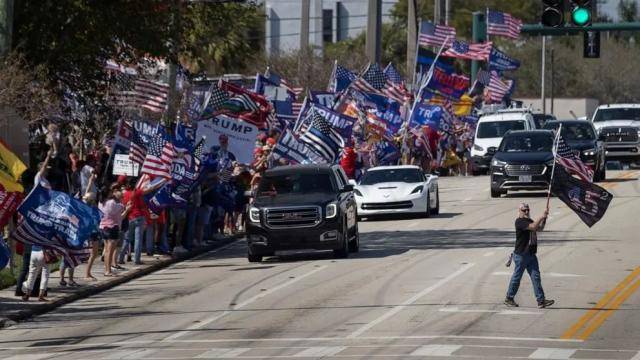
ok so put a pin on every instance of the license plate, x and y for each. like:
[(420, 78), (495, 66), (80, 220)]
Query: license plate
[(524, 178)]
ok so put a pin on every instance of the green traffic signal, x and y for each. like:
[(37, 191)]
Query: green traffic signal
[(580, 16)]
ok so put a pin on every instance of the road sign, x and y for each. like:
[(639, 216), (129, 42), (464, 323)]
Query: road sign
[(591, 44)]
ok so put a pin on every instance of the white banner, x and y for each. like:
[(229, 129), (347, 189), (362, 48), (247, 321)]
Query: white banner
[(242, 136), (122, 165)]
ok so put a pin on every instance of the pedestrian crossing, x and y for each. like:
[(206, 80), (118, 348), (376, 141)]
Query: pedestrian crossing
[(425, 351)]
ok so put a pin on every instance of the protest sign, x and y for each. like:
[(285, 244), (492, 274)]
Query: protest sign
[(122, 165), (242, 136)]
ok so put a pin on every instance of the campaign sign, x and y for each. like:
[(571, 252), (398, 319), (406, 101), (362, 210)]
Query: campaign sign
[(122, 165), (241, 134)]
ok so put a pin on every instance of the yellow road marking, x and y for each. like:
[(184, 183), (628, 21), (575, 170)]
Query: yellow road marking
[(626, 175), (597, 322), (584, 320)]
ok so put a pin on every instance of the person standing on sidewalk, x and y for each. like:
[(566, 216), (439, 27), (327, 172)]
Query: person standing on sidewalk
[(524, 256), (113, 211)]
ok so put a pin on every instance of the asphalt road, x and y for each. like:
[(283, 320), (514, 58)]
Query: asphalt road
[(430, 288)]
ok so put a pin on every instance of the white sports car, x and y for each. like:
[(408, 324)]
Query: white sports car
[(397, 190)]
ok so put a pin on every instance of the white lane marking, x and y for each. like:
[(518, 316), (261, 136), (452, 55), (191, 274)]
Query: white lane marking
[(130, 354), (637, 357), (320, 351), (413, 224), (548, 274), (436, 350), (489, 253), (552, 353), (398, 308), (467, 199), (243, 304), (499, 312), (222, 353), (32, 356)]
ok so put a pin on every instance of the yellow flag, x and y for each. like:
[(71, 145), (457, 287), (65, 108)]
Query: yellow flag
[(461, 107), (9, 184), (10, 164)]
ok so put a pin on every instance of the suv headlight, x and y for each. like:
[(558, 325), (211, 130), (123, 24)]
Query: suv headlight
[(331, 211), (478, 147), (417, 190), (498, 163), (591, 152), (254, 214)]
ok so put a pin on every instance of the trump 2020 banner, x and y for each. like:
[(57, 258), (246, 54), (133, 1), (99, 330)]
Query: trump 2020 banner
[(54, 214), (241, 134)]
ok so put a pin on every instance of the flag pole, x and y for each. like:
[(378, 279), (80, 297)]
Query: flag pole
[(553, 168), (415, 62)]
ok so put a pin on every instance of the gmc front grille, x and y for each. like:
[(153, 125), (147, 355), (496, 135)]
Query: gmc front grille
[(519, 170), (620, 134), (293, 217)]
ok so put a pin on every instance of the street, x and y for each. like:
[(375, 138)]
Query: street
[(419, 287)]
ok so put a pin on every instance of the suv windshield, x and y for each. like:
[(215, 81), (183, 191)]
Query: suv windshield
[(392, 175), (617, 114), (295, 184), (527, 143), (494, 129), (574, 131)]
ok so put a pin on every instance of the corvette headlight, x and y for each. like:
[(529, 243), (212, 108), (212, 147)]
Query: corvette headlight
[(331, 211), (254, 214), (357, 192), (417, 190), (478, 147), (498, 163)]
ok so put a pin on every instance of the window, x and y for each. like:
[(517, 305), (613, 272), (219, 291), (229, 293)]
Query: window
[(495, 129), (574, 131), (392, 175), (295, 184), (617, 114), (327, 25), (527, 143)]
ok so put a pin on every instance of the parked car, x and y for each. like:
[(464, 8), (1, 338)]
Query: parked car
[(490, 130), (523, 162), (618, 125), (581, 135), (303, 207), (401, 189)]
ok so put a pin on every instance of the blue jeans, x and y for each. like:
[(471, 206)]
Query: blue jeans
[(530, 263), (136, 228)]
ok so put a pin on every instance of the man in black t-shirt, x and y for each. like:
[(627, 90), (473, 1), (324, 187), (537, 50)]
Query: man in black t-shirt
[(524, 256)]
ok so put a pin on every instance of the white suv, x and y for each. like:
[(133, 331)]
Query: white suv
[(490, 131), (618, 125)]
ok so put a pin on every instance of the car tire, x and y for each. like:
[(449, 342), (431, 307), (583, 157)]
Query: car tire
[(603, 174), (343, 251), (428, 212), (354, 244), (254, 258), (436, 211), (495, 193)]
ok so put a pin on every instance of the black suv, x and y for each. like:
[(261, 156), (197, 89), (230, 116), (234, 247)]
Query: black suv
[(523, 162), (303, 207), (581, 135)]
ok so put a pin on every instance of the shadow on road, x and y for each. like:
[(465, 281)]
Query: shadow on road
[(395, 217)]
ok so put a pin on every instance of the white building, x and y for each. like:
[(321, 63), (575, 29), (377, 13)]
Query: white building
[(329, 21)]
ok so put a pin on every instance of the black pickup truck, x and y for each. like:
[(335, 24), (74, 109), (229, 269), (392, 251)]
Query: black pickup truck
[(302, 207)]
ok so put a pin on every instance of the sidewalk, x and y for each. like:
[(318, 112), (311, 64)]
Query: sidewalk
[(13, 309)]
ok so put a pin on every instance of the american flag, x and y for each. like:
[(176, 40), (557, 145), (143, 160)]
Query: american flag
[(503, 24), (393, 74), (151, 95), (278, 80), (213, 100), (376, 123), (435, 35), (160, 155), (372, 80), (295, 108), (322, 138), (462, 50), (396, 91), (570, 160), (26, 234), (137, 148), (497, 88), (341, 78), (198, 154)]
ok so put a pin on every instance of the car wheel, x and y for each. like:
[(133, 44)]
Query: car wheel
[(354, 244), (253, 257), (428, 212), (343, 251), (495, 193), (603, 174), (436, 211)]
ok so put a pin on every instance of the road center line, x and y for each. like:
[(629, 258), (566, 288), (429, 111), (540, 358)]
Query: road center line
[(396, 309), (243, 304)]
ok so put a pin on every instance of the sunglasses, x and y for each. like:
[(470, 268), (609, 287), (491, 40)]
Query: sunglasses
[(525, 210)]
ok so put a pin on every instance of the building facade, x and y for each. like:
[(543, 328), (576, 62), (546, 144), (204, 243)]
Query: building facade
[(329, 21)]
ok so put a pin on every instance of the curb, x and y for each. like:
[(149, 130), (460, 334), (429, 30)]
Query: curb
[(106, 285)]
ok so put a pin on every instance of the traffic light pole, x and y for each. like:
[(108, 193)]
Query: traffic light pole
[(478, 34), (538, 29), (542, 73)]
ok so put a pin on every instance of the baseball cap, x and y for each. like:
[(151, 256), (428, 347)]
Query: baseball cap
[(523, 206)]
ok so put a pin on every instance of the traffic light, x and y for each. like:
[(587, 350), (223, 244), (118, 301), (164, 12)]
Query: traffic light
[(581, 12), (552, 13)]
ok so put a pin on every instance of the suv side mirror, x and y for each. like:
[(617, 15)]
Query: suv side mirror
[(347, 188)]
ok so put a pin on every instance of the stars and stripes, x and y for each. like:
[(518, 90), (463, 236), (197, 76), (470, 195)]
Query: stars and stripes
[(296, 107), (214, 99), (497, 88), (198, 154), (393, 75), (322, 138), (341, 78), (570, 160), (137, 147), (27, 234), (151, 95), (503, 24), (160, 155), (462, 50), (435, 35), (397, 92)]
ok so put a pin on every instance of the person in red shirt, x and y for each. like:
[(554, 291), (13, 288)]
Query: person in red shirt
[(348, 162)]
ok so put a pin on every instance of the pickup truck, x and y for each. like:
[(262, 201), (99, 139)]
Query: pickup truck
[(302, 207), (618, 126)]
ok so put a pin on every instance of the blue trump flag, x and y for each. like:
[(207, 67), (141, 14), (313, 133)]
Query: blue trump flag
[(343, 124), (500, 61), (56, 217), (427, 115)]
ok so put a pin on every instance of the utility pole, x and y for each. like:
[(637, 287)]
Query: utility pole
[(374, 24), (437, 4), (6, 26), (412, 38), (173, 64), (544, 60), (552, 79), (447, 9), (304, 36)]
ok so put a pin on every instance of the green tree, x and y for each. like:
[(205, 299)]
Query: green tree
[(628, 10)]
